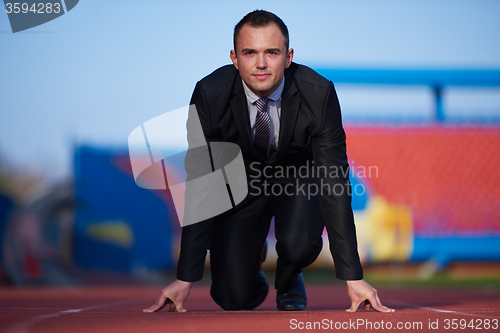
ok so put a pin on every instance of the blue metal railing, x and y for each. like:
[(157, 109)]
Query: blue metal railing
[(436, 79)]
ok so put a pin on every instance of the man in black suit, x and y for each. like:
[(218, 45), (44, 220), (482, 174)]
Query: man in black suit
[(285, 118)]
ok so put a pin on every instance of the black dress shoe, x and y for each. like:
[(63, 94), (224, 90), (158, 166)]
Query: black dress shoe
[(295, 299)]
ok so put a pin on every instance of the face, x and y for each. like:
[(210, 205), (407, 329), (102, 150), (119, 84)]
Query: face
[(261, 58)]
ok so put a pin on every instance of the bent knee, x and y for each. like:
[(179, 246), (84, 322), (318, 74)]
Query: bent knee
[(230, 303), (300, 253), (230, 300)]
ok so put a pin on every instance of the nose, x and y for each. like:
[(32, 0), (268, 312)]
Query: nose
[(261, 62)]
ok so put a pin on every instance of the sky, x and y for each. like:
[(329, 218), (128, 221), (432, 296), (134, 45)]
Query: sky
[(94, 74)]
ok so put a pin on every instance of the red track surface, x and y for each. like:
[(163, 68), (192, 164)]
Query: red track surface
[(118, 309)]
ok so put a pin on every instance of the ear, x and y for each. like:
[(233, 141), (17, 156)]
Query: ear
[(234, 59), (289, 57)]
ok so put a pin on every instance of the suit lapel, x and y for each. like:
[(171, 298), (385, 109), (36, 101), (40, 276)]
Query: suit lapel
[(290, 106), (239, 108)]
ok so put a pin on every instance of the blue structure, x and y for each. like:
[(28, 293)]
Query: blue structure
[(436, 79), (119, 226)]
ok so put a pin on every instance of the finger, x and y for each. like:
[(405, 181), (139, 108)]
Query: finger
[(160, 304), (157, 305), (155, 308), (383, 308), (390, 309), (354, 306), (180, 307), (377, 305), (172, 307)]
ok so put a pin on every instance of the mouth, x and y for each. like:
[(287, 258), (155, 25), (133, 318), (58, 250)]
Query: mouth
[(261, 76)]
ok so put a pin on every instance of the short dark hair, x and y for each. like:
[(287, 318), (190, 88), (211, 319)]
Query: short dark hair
[(260, 18)]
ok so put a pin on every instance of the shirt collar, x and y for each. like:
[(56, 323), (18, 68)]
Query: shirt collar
[(275, 95)]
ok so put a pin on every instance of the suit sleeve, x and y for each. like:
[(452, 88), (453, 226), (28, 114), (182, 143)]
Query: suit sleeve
[(329, 151), (195, 239)]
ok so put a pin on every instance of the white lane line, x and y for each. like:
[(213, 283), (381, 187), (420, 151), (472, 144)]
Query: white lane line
[(415, 306), (72, 311), (24, 326)]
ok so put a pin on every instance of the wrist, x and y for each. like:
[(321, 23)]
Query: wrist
[(185, 283)]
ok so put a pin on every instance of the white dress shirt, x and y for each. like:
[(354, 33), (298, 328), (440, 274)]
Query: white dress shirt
[(273, 109)]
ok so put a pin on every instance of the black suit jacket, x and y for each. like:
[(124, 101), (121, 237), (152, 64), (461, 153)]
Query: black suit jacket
[(310, 130)]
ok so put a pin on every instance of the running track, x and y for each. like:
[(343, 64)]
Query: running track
[(118, 309)]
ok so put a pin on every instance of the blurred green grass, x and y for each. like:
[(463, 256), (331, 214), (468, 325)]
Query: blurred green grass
[(413, 275), (463, 275)]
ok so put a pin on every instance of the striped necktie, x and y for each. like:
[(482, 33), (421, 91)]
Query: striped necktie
[(262, 126)]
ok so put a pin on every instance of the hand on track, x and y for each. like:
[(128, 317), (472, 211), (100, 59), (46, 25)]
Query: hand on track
[(360, 291), (174, 295)]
